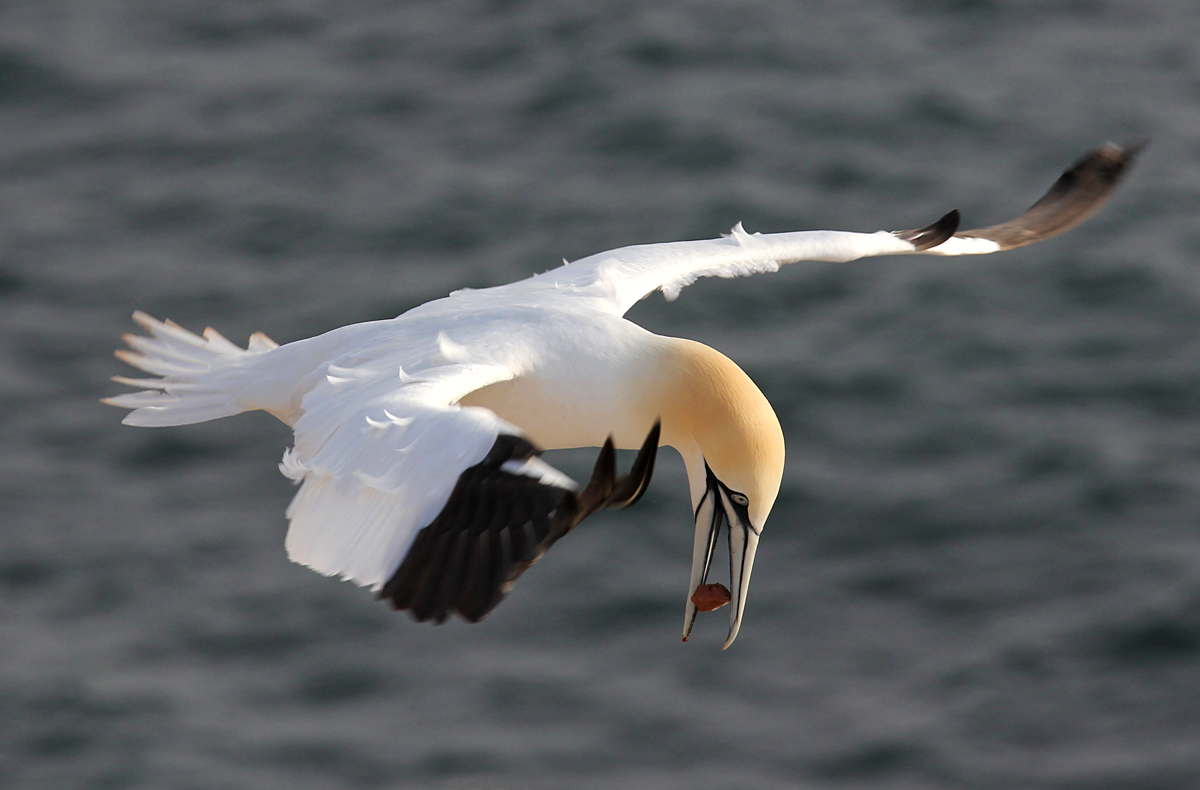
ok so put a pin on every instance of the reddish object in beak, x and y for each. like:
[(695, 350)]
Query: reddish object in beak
[(711, 596)]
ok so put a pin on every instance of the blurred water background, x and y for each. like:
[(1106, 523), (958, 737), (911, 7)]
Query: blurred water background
[(983, 570)]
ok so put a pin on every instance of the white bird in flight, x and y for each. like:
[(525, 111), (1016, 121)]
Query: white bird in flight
[(417, 438)]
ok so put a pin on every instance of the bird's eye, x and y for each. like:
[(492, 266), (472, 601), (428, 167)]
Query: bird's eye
[(740, 499)]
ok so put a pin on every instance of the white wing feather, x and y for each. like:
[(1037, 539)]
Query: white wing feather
[(619, 278), (376, 462)]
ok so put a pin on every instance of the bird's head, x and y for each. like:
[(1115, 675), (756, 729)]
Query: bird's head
[(717, 409)]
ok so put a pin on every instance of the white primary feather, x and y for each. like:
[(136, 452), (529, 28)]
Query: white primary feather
[(541, 471), (964, 245)]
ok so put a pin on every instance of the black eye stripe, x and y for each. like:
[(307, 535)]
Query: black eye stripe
[(740, 501)]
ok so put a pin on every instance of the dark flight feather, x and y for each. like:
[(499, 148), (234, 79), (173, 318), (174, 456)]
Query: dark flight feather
[(1076, 195), (496, 524)]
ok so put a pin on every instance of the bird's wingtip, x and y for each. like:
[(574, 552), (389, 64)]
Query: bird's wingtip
[(932, 235), (1077, 194)]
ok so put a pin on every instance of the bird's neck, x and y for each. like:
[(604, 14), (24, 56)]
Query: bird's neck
[(711, 411)]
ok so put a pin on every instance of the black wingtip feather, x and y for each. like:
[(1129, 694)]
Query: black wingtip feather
[(497, 524), (932, 235)]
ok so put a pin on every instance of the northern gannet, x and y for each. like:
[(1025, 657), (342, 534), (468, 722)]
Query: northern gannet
[(417, 439)]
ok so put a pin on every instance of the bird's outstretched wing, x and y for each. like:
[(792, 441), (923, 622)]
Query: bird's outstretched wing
[(617, 279)]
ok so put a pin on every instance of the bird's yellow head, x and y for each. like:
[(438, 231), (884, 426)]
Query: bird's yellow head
[(709, 403)]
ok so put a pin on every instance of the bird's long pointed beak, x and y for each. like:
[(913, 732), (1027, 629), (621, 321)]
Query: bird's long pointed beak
[(708, 525), (715, 507), (743, 543)]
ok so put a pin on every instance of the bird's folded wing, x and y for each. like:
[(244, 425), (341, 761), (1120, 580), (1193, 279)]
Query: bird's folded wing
[(376, 459), (619, 278)]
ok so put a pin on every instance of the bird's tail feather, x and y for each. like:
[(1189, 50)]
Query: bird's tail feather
[(200, 377)]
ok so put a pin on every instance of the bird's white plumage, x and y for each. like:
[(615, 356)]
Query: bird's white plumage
[(541, 471), (380, 439), (388, 414), (618, 279), (373, 472), (964, 245)]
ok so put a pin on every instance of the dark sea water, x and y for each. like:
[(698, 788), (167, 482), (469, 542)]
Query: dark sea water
[(983, 570)]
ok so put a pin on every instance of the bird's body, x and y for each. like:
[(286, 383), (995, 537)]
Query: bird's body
[(417, 437), (579, 382)]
